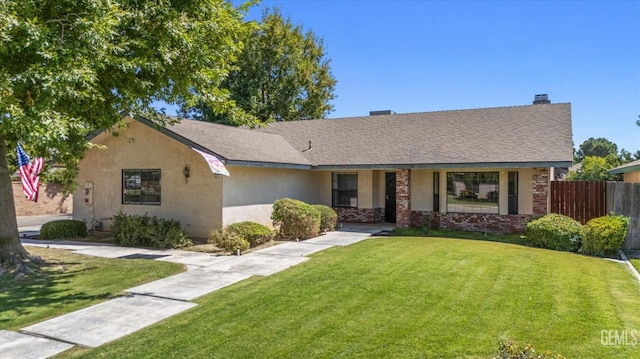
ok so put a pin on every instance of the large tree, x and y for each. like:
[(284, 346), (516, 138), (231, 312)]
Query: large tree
[(600, 147), (70, 67), (282, 74), (596, 168)]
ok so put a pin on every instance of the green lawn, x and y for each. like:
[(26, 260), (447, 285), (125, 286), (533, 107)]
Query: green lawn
[(68, 282), (636, 263), (400, 297)]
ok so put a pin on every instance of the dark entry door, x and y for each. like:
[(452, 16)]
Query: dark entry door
[(390, 197)]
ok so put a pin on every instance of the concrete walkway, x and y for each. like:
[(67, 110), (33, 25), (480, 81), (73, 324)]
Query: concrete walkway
[(152, 302)]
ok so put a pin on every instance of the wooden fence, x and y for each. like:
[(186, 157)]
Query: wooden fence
[(580, 200), (624, 198)]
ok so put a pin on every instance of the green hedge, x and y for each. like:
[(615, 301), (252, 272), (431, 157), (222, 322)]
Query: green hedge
[(254, 233), (146, 231), (66, 228), (554, 231), (604, 234), (295, 219), (229, 241), (328, 217)]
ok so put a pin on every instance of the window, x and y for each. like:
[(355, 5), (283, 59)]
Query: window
[(141, 186), (513, 192), (345, 189), (472, 192)]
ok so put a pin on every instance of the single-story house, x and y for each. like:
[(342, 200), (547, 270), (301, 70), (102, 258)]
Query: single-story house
[(630, 171), (478, 169)]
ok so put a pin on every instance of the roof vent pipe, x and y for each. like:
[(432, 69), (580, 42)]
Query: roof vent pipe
[(541, 99)]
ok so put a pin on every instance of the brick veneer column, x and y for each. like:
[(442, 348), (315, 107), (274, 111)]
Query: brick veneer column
[(540, 190), (403, 198)]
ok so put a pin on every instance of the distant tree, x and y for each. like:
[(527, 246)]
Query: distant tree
[(595, 168), (69, 67), (282, 74), (600, 147), (626, 156)]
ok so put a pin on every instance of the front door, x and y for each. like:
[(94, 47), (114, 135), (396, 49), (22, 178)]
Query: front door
[(390, 197)]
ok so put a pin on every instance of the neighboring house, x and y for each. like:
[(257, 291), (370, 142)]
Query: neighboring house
[(630, 171), (465, 169)]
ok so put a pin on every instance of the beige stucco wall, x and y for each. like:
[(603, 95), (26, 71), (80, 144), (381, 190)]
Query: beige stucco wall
[(196, 204), (249, 192), (422, 190), (633, 177), (370, 187)]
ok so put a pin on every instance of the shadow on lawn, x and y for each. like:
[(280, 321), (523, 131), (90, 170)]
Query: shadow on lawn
[(45, 287)]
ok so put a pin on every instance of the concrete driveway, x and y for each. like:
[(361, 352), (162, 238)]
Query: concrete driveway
[(152, 302)]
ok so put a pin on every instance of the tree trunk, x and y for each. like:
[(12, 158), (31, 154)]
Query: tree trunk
[(11, 249)]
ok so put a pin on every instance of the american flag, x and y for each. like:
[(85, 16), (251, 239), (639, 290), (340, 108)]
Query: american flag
[(29, 174)]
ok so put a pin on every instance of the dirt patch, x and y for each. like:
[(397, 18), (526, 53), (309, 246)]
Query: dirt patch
[(201, 245)]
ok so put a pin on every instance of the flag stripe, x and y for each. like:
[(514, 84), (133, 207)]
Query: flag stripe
[(29, 174)]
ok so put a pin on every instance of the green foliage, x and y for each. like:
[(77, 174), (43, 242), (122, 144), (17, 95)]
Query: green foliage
[(554, 231), (598, 147), (595, 168), (145, 231), (604, 234), (66, 228), (282, 74), (254, 233), (69, 68), (328, 217), (295, 219), (512, 350), (228, 240)]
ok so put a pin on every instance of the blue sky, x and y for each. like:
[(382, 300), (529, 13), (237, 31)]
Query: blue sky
[(414, 56)]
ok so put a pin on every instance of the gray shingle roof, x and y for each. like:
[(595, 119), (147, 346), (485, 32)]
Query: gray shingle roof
[(533, 135), (627, 167), (238, 144)]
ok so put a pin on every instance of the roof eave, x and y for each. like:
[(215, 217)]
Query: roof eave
[(624, 170), (240, 163), (185, 141), (544, 164)]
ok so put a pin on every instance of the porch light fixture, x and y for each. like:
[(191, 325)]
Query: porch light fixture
[(185, 172)]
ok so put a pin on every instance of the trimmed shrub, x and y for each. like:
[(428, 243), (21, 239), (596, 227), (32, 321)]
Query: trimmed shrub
[(554, 231), (328, 218), (295, 219), (145, 231), (66, 228), (228, 241), (254, 233), (515, 351), (604, 234)]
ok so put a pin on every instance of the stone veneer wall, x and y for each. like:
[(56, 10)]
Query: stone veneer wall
[(50, 201), (472, 222), (403, 198), (540, 191), (359, 215)]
